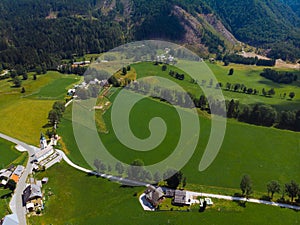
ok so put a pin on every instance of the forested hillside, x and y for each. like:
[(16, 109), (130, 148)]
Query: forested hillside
[(265, 23), (294, 4), (42, 32)]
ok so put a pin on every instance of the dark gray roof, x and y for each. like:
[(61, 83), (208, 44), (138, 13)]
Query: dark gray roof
[(31, 192)]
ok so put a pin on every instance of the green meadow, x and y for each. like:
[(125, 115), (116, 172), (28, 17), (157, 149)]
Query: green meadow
[(243, 74), (7, 153), (250, 77), (24, 115), (5, 196), (99, 201), (263, 153), (57, 88)]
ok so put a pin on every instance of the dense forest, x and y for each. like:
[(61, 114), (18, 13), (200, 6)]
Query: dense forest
[(294, 4), (42, 32), (266, 23)]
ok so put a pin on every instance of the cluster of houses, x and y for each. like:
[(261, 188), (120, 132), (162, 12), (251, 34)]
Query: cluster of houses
[(156, 195), (166, 57), (32, 197), (102, 83), (12, 173), (81, 63)]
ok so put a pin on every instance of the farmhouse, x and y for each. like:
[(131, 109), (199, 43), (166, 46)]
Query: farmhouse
[(32, 197), (154, 195)]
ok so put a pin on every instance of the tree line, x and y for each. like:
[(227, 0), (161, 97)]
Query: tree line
[(136, 172), (264, 115), (259, 114), (292, 189), (54, 117), (234, 58), (279, 77)]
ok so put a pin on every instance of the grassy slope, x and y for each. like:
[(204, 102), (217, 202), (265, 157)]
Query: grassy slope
[(247, 75), (98, 201), (264, 153), (7, 153), (24, 114), (4, 202)]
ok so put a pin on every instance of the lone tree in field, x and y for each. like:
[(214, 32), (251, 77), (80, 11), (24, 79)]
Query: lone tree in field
[(119, 168), (173, 178), (124, 71), (246, 186), (53, 117), (17, 82), (273, 187), (292, 95), (97, 164), (135, 170), (157, 177), (292, 189)]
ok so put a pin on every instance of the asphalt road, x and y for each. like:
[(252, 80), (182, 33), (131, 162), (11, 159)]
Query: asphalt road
[(16, 204)]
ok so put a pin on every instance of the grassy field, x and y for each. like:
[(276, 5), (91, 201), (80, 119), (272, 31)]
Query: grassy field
[(24, 115), (57, 89), (4, 202), (247, 75), (98, 201), (7, 153), (257, 151)]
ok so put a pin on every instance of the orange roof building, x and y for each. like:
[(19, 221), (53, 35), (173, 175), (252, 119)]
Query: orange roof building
[(15, 178)]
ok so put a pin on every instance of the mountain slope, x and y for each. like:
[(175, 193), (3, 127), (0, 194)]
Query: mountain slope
[(256, 21), (35, 32)]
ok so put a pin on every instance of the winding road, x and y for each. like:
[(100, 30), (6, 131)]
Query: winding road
[(16, 204)]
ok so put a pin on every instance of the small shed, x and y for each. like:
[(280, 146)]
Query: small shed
[(45, 180), (180, 198)]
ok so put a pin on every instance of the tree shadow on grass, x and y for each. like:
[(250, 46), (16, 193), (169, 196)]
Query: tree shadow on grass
[(241, 203), (5, 196), (47, 125), (265, 198)]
